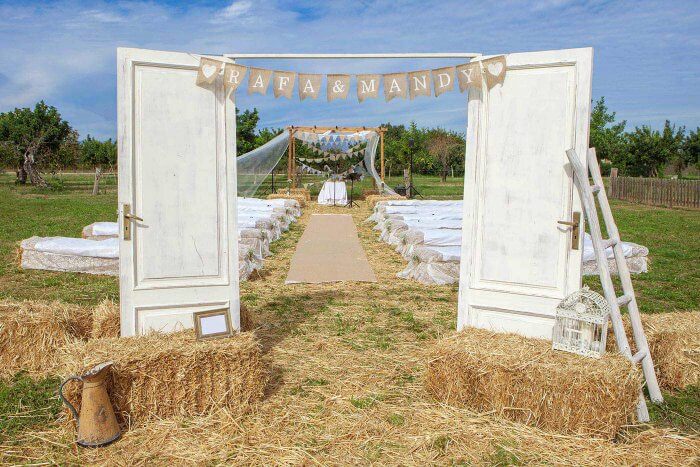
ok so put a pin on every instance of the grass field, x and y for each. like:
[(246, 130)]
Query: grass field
[(347, 364)]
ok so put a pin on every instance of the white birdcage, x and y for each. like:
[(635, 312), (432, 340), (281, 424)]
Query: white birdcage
[(581, 324)]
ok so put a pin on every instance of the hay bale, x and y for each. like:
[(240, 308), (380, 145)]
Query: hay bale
[(301, 199), (32, 331), (524, 380), (106, 320), (295, 191), (372, 200), (247, 320), (674, 342), (167, 375)]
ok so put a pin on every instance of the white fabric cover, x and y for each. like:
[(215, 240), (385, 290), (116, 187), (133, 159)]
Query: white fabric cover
[(55, 261), (333, 193), (79, 247), (105, 229), (259, 222), (428, 234), (629, 249)]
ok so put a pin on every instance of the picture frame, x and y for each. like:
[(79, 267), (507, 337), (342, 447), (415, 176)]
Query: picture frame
[(212, 324)]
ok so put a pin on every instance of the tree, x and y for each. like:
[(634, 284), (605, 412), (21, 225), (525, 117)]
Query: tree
[(648, 151), (30, 137), (445, 147), (246, 125), (98, 154), (607, 137), (691, 149)]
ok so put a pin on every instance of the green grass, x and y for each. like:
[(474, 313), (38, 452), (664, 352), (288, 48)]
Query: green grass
[(673, 283), (680, 410), (27, 211), (427, 185), (25, 403), (673, 239)]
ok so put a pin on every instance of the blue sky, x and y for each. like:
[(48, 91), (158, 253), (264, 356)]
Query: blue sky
[(647, 53)]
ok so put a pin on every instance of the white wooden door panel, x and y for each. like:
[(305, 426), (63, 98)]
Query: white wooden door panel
[(517, 262), (177, 171)]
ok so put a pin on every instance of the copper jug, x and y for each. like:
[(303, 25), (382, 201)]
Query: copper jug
[(97, 424)]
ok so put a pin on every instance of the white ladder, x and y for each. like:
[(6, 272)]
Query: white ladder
[(587, 192)]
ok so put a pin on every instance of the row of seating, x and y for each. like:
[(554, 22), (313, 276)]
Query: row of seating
[(260, 222), (428, 233)]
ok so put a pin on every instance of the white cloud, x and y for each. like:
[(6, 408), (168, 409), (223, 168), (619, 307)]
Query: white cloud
[(65, 51), (235, 9)]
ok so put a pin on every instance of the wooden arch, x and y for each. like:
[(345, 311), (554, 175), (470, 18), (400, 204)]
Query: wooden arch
[(291, 152)]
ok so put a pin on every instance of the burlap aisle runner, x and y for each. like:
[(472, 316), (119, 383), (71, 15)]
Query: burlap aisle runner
[(330, 251)]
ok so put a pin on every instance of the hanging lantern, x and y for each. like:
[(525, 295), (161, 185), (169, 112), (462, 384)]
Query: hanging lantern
[(581, 324)]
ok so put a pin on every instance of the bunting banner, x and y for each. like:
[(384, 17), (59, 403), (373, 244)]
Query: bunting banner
[(258, 80), (310, 170), (367, 87), (472, 75), (208, 71), (309, 86), (233, 76), (444, 79), (494, 70), (469, 75), (395, 85), (337, 87), (283, 83), (419, 84)]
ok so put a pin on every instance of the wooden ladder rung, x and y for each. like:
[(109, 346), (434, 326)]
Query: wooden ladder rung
[(609, 242), (623, 300), (639, 356)]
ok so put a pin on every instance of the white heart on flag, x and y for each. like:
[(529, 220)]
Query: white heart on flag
[(495, 68), (209, 70)]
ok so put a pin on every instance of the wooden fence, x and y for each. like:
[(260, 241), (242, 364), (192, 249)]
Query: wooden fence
[(656, 191)]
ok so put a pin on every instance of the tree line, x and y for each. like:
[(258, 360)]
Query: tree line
[(436, 151), (38, 140), (643, 152)]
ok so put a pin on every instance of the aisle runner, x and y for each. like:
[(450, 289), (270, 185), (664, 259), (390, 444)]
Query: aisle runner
[(329, 251)]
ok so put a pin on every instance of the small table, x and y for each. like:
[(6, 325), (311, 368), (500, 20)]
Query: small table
[(333, 193)]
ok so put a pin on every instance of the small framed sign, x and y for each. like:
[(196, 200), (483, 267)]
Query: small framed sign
[(212, 324)]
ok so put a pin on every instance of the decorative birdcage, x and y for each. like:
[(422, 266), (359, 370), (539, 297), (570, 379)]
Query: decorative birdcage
[(581, 324)]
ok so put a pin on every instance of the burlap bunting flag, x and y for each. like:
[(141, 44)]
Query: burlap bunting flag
[(309, 86), (443, 79), (469, 76), (337, 86), (258, 80), (233, 76), (395, 85), (494, 70), (411, 84), (208, 70), (283, 83), (419, 83), (367, 87)]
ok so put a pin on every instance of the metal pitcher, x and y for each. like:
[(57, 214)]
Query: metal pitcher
[(97, 424)]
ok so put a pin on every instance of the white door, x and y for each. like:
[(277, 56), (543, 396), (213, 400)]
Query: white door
[(517, 261), (177, 172)]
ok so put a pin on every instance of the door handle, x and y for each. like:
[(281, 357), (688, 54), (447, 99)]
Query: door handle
[(574, 223), (128, 219), (133, 217)]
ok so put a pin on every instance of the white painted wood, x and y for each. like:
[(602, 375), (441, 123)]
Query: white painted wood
[(355, 56), (628, 297), (517, 262), (177, 171)]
